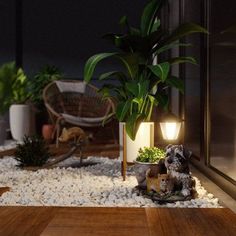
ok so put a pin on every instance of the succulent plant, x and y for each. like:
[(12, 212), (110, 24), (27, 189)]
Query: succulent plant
[(150, 154), (32, 152)]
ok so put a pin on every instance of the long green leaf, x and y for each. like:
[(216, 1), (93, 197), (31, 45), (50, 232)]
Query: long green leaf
[(152, 103), (179, 60), (148, 16), (161, 70), (92, 63), (170, 46), (122, 109), (133, 88), (118, 74), (132, 125), (176, 83), (131, 62), (144, 86), (182, 31), (156, 25)]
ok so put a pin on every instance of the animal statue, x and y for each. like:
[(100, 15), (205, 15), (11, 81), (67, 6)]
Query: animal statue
[(162, 183), (140, 172), (177, 164), (76, 134)]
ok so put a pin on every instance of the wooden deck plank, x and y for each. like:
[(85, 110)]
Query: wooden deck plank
[(115, 221), (24, 220), (223, 223), (105, 150), (98, 221)]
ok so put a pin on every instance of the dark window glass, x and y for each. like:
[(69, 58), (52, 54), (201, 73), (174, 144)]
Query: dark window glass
[(192, 81), (223, 86)]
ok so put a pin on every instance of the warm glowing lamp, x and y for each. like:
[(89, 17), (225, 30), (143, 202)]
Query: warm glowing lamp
[(170, 127)]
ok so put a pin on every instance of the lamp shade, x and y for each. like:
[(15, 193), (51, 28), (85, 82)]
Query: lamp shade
[(170, 127)]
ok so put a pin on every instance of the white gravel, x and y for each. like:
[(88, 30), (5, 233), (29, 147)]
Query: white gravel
[(9, 144), (95, 185)]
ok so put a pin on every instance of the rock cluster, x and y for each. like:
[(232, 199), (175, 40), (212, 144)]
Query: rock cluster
[(99, 184)]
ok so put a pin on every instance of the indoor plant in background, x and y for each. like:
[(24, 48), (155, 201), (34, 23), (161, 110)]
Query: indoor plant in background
[(149, 158), (41, 79), (20, 111), (142, 85), (7, 76)]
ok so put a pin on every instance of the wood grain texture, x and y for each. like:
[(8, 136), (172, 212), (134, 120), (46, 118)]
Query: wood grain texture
[(99, 149), (50, 221)]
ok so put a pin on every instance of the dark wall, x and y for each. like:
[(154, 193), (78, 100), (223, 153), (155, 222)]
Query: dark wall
[(7, 30), (65, 32)]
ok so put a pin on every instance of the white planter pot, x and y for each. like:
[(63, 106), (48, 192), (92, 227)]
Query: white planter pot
[(3, 133), (20, 121), (144, 138)]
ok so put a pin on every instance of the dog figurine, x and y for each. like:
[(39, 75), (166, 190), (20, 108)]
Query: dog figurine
[(162, 183), (177, 164)]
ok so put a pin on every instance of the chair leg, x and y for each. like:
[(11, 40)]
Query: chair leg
[(58, 133)]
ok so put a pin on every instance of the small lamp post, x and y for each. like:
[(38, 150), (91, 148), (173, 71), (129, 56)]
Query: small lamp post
[(170, 127)]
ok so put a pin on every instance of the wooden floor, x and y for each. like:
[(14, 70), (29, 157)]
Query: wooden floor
[(58, 221)]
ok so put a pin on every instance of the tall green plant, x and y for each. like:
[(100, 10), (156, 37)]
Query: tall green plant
[(142, 85)]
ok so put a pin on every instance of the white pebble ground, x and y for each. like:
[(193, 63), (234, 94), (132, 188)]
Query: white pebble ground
[(95, 185)]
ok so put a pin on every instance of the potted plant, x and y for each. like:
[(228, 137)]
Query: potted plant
[(20, 112), (45, 76), (141, 85), (149, 158), (7, 75)]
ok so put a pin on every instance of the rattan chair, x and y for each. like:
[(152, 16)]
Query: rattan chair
[(76, 103)]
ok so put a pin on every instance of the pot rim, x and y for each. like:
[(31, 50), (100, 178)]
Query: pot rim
[(145, 163)]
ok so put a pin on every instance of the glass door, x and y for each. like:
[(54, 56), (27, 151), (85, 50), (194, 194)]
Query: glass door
[(222, 42)]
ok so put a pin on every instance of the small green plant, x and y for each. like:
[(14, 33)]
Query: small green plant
[(45, 76), (33, 152), (150, 154), (12, 86)]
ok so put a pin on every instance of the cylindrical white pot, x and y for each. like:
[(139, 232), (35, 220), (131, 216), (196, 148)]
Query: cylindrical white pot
[(144, 138), (19, 121)]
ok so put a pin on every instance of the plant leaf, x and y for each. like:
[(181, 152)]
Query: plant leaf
[(176, 83), (182, 31), (152, 103), (122, 109), (156, 25), (133, 87), (131, 62), (118, 74), (161, 70), (179, 60), (132, 125), (148, 16), (143, 89), (163, 100), (170, 46), (92, 63)]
